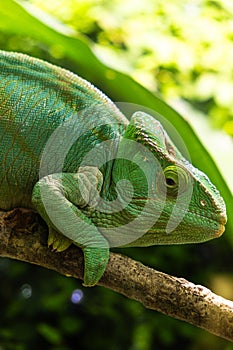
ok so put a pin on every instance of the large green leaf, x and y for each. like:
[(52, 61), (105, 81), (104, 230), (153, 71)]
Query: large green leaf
[(14, 19)]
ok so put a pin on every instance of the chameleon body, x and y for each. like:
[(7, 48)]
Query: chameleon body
[(97, 179)]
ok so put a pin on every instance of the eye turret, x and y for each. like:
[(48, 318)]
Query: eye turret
[(175, 180)]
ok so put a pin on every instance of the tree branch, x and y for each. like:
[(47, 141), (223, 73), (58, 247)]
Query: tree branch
[(23, 237)]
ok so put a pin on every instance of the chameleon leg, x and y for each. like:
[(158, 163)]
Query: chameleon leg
[(60, 200)]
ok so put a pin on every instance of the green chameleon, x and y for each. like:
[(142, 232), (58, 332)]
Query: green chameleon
[(97, 179)]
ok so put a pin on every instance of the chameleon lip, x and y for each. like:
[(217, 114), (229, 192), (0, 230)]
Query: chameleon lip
[(222, 220), (220, 230)]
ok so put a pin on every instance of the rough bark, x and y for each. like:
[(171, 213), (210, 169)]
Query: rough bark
[(23, 237)]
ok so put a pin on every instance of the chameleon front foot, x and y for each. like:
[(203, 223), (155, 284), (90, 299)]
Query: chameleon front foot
[(59, 200), (95, 259)]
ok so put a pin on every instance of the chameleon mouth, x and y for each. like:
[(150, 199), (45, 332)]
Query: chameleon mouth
[(217, 221), (220, 230), (221, 221)]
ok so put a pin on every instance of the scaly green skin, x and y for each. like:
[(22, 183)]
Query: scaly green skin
[(96, 179)]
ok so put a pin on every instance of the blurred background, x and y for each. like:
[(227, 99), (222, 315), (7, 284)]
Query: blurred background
[(183, 52)]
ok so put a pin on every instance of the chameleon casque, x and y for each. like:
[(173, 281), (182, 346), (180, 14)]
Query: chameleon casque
[(97, 179)]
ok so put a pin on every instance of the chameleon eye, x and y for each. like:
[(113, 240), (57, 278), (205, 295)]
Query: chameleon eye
[(176, 180)]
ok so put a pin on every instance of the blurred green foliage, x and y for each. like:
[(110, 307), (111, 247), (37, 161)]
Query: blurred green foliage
[(182, 49), (41, 309)]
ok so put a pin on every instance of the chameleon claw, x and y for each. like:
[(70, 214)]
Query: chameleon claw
[(57, 242)]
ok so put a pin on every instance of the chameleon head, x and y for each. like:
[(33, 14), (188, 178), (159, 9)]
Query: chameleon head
[(187, 206)]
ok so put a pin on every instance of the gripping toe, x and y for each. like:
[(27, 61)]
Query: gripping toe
[(57, 241), (95, 260)]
